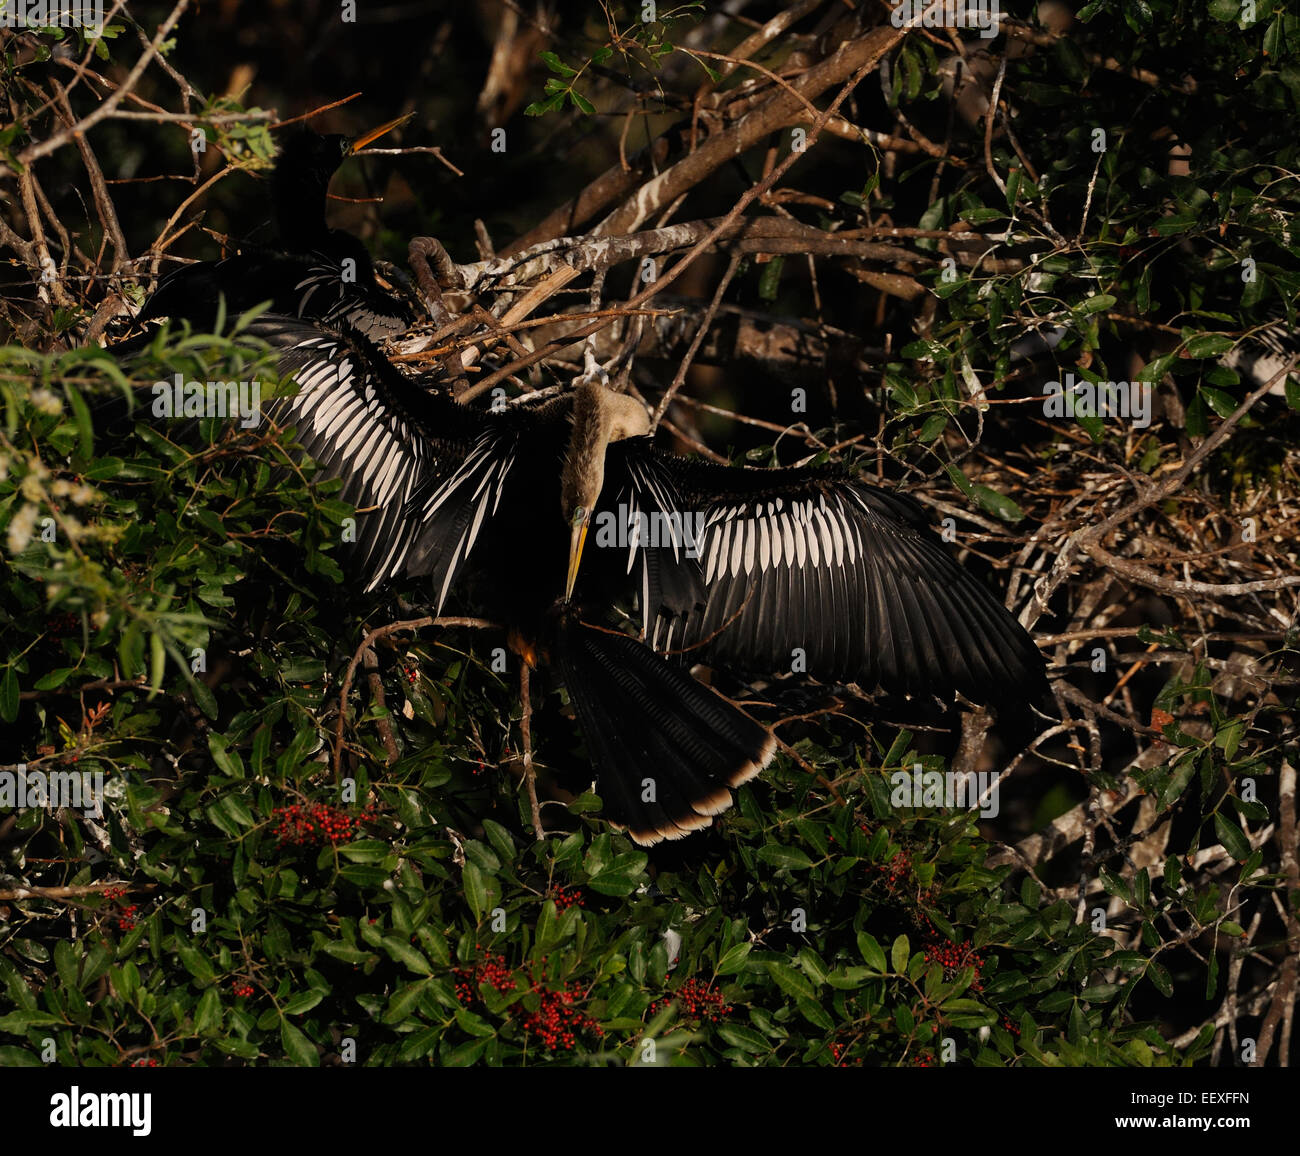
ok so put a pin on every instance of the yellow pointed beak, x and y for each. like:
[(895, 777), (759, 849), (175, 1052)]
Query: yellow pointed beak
[(576, 543), (374, 134)]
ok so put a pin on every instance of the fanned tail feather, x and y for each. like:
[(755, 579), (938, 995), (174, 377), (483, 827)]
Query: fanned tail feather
[(666, 749)]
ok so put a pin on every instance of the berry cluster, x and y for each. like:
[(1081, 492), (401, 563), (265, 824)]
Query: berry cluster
[(242, 987), (556, 1022), (126, 912), (899, 867), (59, 625), (314, 824), (492, 970), (952, 957), (697, 1001), (565, 897), (838, 1055), (1013, 1028), (144, 1062)]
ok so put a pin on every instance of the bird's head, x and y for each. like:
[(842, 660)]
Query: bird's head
[(599, 417), (306, 163)]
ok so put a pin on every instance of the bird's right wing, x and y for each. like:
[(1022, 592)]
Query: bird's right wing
[(402, 452), (451, 511)]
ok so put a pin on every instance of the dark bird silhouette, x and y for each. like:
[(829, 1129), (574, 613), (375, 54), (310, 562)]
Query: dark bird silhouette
[(549, 513), (316, 273)]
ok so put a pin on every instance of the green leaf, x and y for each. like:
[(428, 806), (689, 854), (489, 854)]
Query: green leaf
[(872, 953), (207, 1012), (402, 1002), (746, 1039), (1159, 978), (899, 954), (406, 954), (85, 431), (18, 1022), (790, 981), (365, 851), (1176, 785), (197, 964), (54, 679), (999, 505), (1231, 836), (228, 763), (11, 1057), (622, 875), (815, 1014), (231, 814), (1097, 304), (540, 107), (244, 1049), (303, 1001), (1209, 345), (1116, 885), (419, 1044), (769, 283), (298, 1047), (479, 892), (467, 1054), (1100, 992), (556, 65), (733, 959), (1224, 404), (9, 695), (782, 857)]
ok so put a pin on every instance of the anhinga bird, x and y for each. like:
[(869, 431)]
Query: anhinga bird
[(803, 570), (1263, 355), (318, 273)]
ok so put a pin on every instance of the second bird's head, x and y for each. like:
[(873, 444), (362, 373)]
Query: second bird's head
[(599, 417)]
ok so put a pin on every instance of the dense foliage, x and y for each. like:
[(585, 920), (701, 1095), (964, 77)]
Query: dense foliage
[(271, 883)]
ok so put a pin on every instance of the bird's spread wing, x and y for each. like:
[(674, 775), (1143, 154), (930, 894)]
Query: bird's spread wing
[(451, 511), (389, 441), (643, 510), (1265, 353), (811, 574)]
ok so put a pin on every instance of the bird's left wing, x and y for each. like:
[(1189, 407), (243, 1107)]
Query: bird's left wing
[(656, 531), (809, 572)]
